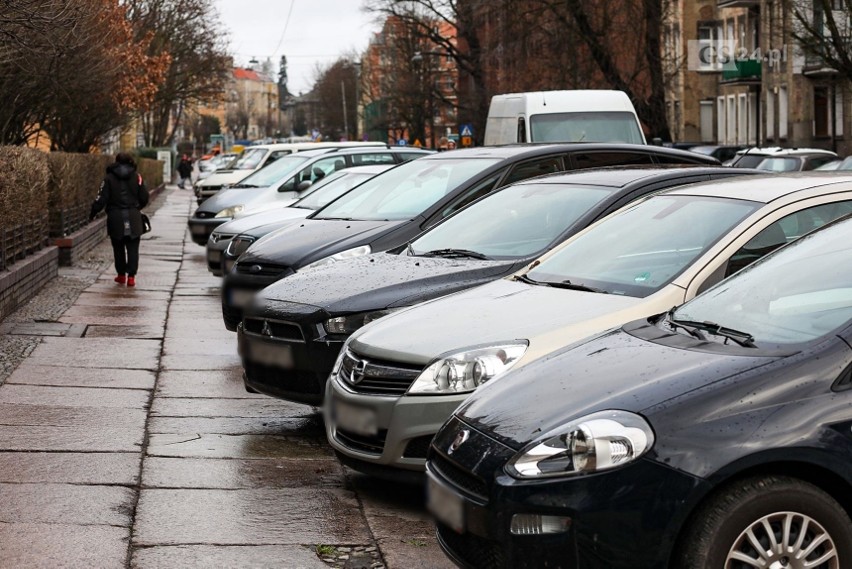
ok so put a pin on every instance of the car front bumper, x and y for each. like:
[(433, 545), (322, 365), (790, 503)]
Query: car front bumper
[(201, 228), (238, 290), (217, 244), (404, 425)]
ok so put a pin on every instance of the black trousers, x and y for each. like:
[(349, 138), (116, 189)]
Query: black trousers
[(126, 254)]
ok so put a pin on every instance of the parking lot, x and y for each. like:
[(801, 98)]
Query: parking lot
[(128, 439)]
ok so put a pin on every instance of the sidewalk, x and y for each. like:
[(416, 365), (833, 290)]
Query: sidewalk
[(127, 440)]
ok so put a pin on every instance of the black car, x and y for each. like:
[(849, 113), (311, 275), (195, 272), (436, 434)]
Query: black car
[(719, 152), (717, 435), (395, 206), (493, 237)]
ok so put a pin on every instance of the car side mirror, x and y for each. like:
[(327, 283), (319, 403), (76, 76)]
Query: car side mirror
[(304, 185)]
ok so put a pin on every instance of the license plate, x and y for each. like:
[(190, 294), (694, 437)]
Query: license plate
[(271, 354), (240, 298), (445, 505), (198, 229), (358, 420), (214, 256)]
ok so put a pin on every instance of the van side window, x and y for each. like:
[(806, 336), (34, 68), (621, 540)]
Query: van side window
[(601, 159), (522, 129), (534, 168)]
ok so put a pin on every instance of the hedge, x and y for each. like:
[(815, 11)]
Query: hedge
[(49, 195)]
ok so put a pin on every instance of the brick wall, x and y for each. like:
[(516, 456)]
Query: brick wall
[(25, 278)]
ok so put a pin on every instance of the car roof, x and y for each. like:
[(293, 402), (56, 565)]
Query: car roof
[(778, 151), (364, 150), (767, 188), (620, 176), (532, 149)]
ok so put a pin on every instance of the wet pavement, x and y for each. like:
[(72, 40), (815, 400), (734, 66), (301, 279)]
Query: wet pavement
[(128, 440)]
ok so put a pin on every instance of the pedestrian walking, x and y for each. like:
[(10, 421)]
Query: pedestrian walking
[(123, 194), (185, 171)]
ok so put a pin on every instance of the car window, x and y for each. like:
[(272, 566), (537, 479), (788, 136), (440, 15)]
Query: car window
[(749, 160), (250, 159), (275, 172), (470, 196), (640, 249), (516, 221), (778, 164), (534, 168), (601, 159), (378, 158), (330, 188), (783, 231), (321, 168), (406, 156), (597, 126), (273, 156), (817, 161)]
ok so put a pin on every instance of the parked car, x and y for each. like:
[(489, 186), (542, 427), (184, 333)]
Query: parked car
[(832, 166), (639, 261), (491, 238), (393, 207), (286, 181), (253, 158), (714, 435), (719, 152), (782, 159), (249, 228), (842, 165)]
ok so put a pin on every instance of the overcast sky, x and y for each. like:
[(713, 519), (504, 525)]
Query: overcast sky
[(317, 33)]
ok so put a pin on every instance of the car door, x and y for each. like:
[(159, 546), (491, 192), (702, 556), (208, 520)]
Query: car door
[(774, 230)]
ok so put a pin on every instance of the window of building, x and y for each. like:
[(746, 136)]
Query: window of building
[(706, 112), (782, 112), (821, 112), (769, 119)]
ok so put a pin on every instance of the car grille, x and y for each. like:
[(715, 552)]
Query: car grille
[(417, 447), (377, 377), (209, 189), (462, 480), (473, 550), (367, 444), (216, 237), (260, 269), (294, 381), (204, 214), (274, 329)]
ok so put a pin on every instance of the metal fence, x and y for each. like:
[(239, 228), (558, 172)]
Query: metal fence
[(22, 240), (64, 222)]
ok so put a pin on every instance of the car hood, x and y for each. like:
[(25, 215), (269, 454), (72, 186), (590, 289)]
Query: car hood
[(312, 239), (495, 312), (221, 177), (383, 280), (615, 370), (244, 224), (228, 198)]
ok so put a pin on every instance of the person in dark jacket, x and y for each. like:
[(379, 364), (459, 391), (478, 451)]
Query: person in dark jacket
[(123, 194), (184, 170)]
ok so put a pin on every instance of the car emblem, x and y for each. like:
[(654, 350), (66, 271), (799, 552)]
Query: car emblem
[(460, 439), (357, 373), (266, 330), (256, 268)]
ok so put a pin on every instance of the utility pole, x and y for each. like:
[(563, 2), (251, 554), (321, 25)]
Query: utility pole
[(345, 120)]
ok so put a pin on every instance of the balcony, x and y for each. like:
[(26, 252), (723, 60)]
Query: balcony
[(738, 3), (743, 71)]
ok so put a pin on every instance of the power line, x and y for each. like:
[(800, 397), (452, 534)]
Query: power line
[(284, 31)]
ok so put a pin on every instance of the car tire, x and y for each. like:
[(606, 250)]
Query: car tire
[(718, 530)]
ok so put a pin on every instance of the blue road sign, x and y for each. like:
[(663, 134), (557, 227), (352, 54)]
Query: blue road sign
[(466, 130)]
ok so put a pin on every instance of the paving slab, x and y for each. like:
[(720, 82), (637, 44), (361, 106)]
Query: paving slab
[(116, 298), (204, 347), (238, 517), (296, 427), (83, 419), (233, 474), (144, 331), (73, 396), (34, 439), (97, 352), (70, 468), (24, 546), (204, 445), (261, 408), (29, 374), (66, 504), (226, 383), (206, 556)]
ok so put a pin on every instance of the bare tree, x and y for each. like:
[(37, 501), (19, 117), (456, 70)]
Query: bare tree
[(336, 90), (823, 28)]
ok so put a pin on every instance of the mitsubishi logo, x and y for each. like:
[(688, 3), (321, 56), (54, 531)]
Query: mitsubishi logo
[(266, 330), (460, 439), (357, 373), (255, 268)]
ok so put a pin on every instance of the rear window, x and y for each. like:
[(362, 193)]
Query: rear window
[(586, 127)]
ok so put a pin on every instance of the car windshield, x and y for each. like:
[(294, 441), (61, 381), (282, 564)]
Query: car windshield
[(779, 164), (641, 249), (330, 188), (249, 159), (405, 191), (800, 293), (846, 164), (585, 127), (275, 172), (518, 221)]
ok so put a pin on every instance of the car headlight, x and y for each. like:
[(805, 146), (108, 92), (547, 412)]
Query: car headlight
[(351, 322), (238, 245), (599, 441), (464, 371), (342, 256), (230, 211)]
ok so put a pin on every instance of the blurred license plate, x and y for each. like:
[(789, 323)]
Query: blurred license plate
[(267, 353), (241, 298), (214, 256), (198, 229), (445, 505), (358, 420)]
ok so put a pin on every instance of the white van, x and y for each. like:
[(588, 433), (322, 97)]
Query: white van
[(563, 116), (253, 158)]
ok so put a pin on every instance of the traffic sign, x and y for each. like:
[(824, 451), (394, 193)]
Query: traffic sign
[(466, 130)]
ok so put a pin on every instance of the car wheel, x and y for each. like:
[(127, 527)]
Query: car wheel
[(775, 522)]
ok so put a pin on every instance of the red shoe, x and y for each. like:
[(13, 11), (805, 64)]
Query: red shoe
[(131, 281), (120, 279)]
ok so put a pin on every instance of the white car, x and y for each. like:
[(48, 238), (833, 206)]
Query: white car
[(398, 379)]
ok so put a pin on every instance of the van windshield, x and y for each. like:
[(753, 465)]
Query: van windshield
[(586, 127)]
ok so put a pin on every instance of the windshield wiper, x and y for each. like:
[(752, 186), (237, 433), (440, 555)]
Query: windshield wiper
[(335, 218), (566, 284), (244, 186), (691, 330), (456, 253), (744, 339)]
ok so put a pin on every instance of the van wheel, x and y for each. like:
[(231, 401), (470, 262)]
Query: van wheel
[(771, 522)]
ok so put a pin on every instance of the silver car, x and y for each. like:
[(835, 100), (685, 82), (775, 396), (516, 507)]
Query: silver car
[(398, 379)]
